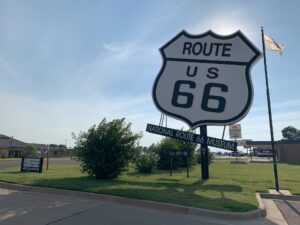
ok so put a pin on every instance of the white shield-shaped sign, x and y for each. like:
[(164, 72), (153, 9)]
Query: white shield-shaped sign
[(205, 79)]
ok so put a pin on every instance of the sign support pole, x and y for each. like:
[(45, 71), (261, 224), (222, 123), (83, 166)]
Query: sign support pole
[(47, 165), (187, 167), (171, 165), (236, 152), (223, 132), (204, 154), (270, 113)]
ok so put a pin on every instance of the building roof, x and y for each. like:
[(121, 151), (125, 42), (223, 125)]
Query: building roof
[(267, 144), (7, 142)]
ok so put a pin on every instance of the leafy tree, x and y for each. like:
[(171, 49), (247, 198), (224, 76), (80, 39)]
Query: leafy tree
[(59, 150), (189, 147), (145, 163), (151, 148), (105, 150), (145, 159), (210, 157), (290, 133), (29, 151), (166, 145), (63, 149), (162, 150)]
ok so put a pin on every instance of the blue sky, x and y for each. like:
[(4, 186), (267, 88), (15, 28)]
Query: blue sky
[(65, 65)]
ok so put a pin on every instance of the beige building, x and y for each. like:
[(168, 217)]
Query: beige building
[(12, 148), (286, 151)]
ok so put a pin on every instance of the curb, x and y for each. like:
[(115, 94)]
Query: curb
[(157, 206), (280, 197), (261, 204)]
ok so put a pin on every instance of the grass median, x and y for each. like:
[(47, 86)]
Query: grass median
[(231, 187)]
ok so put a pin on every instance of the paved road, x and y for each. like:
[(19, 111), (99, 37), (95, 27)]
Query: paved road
[(9, 163), (290, 211), (31, 208), (65, 160), (17, 162)]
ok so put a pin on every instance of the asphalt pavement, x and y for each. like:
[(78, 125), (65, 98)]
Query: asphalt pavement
[(17, 162), (31, 208), (9, 163), (290, 211)]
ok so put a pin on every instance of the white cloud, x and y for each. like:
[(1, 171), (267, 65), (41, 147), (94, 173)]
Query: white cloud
[(117, 62), (32, 120), (224, 23)]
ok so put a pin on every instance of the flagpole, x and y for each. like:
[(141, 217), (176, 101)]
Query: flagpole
[(270, 113)]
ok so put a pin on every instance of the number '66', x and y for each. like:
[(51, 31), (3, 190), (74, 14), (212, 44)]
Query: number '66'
[(221, 101)]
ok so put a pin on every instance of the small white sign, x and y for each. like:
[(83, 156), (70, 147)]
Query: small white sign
[(235, 131), (242, 142), (32, 164)]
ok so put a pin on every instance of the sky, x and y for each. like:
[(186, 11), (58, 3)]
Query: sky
[(66, 65)]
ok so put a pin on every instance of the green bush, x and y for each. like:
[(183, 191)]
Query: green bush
[(29, 151), (145, 163), (166, 145), (59, 150), (210, 157), (105, 150)]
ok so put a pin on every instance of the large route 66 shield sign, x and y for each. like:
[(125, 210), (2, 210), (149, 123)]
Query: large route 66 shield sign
[(205, 79)]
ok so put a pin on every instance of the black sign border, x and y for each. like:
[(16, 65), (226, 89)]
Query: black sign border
[(246, 109), (40, 165)]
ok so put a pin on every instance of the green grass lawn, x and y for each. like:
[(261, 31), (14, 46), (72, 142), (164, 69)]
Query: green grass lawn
[(231, 187)]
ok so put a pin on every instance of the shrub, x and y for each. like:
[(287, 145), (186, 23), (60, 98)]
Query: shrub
[(29, 152), (105, 150), (166, 145), (210, 157), (145, 163)]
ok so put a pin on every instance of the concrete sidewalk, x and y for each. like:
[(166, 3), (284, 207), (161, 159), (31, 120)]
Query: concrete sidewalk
[(32, 208), (282, 207)]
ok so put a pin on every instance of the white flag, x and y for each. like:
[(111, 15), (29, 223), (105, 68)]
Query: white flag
[(272, 45)]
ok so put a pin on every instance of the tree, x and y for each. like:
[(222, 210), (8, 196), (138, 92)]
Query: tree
[(189, 147), (166, 145), (210, 157), (105, 150), (290, 133), (145, 159), (29, 151), (59, 150)]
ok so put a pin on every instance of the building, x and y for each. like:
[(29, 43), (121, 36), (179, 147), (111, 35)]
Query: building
[(12, 148), (286, 151)]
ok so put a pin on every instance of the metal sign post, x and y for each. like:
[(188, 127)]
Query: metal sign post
[(180, 154), (270, 114), (235, 132), (47, 155), (187, 166), (204, 155), (171, 165)]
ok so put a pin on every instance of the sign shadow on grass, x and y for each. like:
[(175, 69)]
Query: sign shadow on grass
[(168, 192)]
